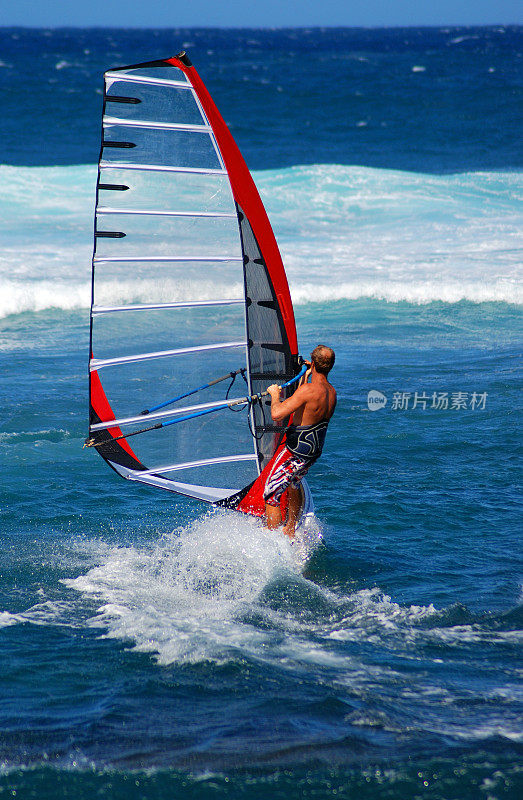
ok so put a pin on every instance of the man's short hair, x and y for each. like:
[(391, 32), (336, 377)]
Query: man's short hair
[(323, 359)]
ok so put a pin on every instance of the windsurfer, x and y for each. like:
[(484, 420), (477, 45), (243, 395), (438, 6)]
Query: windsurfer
[(312, 405)]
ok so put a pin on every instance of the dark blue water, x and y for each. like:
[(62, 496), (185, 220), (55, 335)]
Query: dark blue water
[(422, 99), (149, 649), (389, 668)]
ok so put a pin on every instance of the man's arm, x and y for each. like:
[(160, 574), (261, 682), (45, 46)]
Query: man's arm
[(281, 409)]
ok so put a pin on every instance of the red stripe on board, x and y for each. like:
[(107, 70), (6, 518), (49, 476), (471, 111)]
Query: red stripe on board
[(246, 195), (253, 502)]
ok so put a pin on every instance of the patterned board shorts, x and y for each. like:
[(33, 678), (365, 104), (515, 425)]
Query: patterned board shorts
[(288, 470)]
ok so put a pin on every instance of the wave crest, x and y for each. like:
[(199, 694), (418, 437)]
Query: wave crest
[(344, 232)]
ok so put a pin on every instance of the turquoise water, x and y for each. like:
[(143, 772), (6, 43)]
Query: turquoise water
[(151, 648)]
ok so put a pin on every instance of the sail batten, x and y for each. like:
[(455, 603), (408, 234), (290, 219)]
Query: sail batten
[(173, 259), (187, 283), (174, 126), (140, 419), (98, 363), (204, 462), (161, 168), (157, 306), (148, 81), (156, 212)]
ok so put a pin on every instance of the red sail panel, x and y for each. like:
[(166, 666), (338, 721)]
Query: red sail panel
[(247, 197), (101, 411)]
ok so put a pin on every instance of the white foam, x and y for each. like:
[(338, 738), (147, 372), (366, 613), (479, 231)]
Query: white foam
[(7, 619), (18, 296), (418, 293), (184, 598), (224, 588), (460, 39), (398, 236), (48, 433), (191, 597), (45, 613), (344, 232)]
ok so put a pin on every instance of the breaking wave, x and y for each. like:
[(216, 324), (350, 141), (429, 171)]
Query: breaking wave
[(345, 233)]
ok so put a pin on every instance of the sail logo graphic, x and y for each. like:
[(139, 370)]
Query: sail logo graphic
[(376, 400)]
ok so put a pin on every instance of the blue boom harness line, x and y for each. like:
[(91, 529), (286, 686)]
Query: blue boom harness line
[(253, 398), (198, 389)]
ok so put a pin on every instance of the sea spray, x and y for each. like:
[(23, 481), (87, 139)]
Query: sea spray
[(183, 598)]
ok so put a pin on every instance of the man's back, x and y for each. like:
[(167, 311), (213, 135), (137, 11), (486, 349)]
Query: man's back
[(312, 402), (318, 401)]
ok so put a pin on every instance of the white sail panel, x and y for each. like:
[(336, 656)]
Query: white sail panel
[(169, 413), (157, 235), (129, 391), (195, 326), (156, 189), (207, 437), (171, 148), (163, 102), (127, 282)]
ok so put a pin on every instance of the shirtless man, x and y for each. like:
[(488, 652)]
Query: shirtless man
[(312, 405)]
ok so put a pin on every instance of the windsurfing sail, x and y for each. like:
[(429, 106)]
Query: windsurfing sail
[(191, 310)]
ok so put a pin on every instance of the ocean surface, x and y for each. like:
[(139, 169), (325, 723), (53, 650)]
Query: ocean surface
[(151, 648)]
